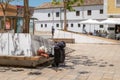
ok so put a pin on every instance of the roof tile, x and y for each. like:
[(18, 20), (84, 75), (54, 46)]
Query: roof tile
[(86, 3)]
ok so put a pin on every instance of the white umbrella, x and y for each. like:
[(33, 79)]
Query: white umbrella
[(110, 21), (90, 21)]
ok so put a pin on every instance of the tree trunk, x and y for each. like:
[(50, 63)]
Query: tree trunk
[(4, 13), (65, 16), (4, 19), (26, 17)]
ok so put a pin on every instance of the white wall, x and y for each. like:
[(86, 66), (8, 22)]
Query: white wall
[(15, 44), (83, 13), (42, 15), (20, 44)]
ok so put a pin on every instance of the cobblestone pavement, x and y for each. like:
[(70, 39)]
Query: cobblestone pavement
[(87, 62)]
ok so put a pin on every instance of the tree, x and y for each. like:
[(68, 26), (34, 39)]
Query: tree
[(26, 17), (67, 6), (4, 5)]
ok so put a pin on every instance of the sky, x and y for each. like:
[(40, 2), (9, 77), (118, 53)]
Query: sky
[(37, 2), (33, 3)]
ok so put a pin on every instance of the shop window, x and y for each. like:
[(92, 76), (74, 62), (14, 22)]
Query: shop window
[(101, 26), (111, 28), (7, 24)]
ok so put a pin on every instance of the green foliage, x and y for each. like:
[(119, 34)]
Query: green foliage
[(69, 3), (55, 2)]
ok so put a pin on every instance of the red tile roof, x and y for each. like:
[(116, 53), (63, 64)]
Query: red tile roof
[(86, 3)]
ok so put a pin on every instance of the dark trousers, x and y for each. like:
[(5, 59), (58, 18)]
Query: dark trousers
[(57, 56)]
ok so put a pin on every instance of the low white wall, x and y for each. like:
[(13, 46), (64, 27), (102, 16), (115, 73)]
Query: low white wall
[(20, 44)]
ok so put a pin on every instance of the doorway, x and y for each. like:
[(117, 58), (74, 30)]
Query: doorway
[(117, 29)]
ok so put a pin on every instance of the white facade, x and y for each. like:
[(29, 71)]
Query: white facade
[(47, 18)]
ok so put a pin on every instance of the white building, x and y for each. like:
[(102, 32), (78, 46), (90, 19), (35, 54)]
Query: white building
[(49, 15)]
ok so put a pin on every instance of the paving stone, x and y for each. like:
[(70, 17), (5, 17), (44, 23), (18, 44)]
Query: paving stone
[(107, 76), (116, 77), (108, 55), (95, 76)]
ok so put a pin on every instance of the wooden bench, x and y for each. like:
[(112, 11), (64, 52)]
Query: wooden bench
[(23, 61), (67, 40)]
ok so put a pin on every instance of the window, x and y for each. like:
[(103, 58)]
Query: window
[(45, 25), (118, 3), (89, 12), (67, 25), (57, 14), (78, 25), (101, 26), (48, 14), (77, 13), (101, 11), (83, 25), (71, 25), (41, 25), (111, 28), (57, 25)]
